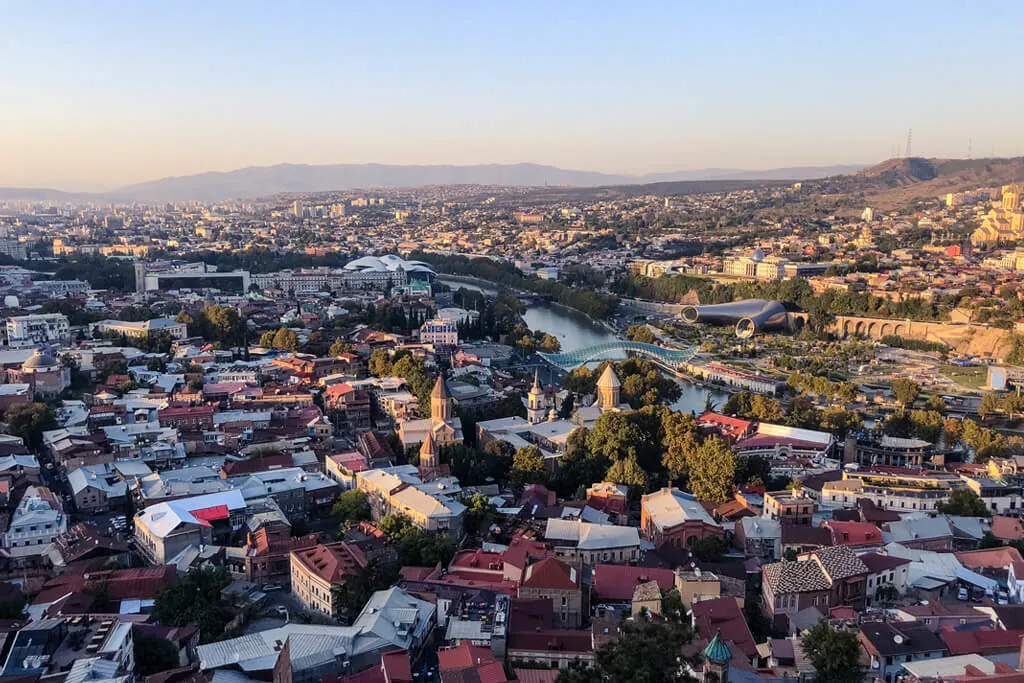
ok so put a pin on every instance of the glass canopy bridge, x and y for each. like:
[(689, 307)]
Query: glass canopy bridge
[(671, 359)]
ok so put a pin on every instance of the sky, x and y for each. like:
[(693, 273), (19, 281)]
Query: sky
[(100, 94)]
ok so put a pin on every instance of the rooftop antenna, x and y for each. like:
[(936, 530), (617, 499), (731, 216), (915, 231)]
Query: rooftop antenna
[(909, 133)]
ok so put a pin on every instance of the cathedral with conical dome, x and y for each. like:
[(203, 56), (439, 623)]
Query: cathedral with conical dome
[(444, 427)]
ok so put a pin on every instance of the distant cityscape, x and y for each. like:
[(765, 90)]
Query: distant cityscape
[(493, 433)]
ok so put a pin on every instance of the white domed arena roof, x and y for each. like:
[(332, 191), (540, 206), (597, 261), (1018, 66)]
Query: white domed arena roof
[(388, 262)]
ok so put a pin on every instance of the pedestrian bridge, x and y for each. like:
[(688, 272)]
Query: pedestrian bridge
[(619, 350)]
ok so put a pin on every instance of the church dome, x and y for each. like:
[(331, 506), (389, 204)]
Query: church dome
[(608, 380), (39, 361), (440, 391)]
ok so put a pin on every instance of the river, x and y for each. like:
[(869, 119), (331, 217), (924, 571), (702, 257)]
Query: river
[(575, 330)]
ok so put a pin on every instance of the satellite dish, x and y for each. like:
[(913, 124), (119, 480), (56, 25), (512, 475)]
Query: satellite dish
[(898, 639)]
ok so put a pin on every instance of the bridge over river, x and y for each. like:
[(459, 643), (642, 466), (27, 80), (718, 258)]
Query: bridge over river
[(672, 359)]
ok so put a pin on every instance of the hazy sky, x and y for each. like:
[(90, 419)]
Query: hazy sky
[(96, 93)]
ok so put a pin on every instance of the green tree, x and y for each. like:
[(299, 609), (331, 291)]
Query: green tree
[(952, 432), (196, 599), (222, 324), (395, 526), (352, 595), (613, 435), (1013, 403), (379, 364), (627, 471), (989, 540), (984, 442), (926, 424), (765, 409), (528, 466), (963, 502), (153, 655), (29, 421), (267, 339), (578, 467), (989, 405), (906, 391), (679, 443), (286, 339), (351, 506), (480, 514), (419, 548), (712, 470), (835, 655), (840, 421), (550, 344), (640, 333), (644, 652), (339, 347), (710, 549), (935, 403)]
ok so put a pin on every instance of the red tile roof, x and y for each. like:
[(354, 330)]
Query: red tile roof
[(332, 562), (879, 563), (854, 533), (617, 582), (551, 573), (1007, 528), (521, 549), (551, 640), (121, 584), (990, 558), (724, 616), (419, 573), (235, 468), (728, 426), (463, 656), (536, 675), (984, 642), (396, 666)]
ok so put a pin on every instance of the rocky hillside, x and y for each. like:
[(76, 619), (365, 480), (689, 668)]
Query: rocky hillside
[(897, 181)]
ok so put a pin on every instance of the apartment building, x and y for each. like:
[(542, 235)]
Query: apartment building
[(38, 330), (318, 570)]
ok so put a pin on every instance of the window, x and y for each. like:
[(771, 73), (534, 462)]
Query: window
[(564, 601)]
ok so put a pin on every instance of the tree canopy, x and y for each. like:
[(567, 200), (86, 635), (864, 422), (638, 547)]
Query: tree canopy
[(644, 652), (712, 471), (528, 466), (963, 502), (351, 506), (834, 654), (196, 599), (29, 421)]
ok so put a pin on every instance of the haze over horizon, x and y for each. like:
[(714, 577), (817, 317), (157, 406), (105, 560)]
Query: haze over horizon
[(103, 95)]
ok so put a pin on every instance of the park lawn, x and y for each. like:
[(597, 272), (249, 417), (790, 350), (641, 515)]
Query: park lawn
[(975, 376)]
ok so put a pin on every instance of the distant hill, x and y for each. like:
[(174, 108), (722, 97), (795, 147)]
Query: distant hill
[(267, 180), (33, 194), (897, 181)]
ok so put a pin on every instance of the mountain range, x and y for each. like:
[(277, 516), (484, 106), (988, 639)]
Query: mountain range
[(258, 181)]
